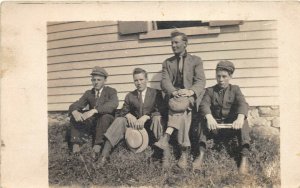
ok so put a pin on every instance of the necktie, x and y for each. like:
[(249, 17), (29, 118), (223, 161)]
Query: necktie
[(98, 94), (141, 103), (180, 64)]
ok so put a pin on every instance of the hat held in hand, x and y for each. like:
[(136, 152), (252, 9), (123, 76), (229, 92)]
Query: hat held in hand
[(179, 104), (136, 140)]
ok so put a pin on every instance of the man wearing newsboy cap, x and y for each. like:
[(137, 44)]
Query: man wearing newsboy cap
[(224, 104), (102, 102)]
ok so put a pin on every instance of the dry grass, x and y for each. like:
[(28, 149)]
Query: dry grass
[(128, 169)]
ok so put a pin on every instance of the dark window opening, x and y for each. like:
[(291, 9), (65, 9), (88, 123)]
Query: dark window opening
[(178, 24)]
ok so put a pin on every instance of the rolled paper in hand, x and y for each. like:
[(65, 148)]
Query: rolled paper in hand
[(224, 126)]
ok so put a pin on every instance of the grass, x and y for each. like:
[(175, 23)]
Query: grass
[(128, 169)]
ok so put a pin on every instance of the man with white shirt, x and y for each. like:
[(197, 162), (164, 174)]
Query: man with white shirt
[(102, 101), (141, 109)]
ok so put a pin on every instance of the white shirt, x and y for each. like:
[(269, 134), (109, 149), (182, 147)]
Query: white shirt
[(100, 91), (144, 94)]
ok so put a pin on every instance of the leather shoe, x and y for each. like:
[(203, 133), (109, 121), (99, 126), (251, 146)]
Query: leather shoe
[(198, 161), (243, 169), (96, 152), (183, 161)]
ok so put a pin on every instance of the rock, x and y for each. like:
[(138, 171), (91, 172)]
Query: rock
[(268, 112), (276, 122), (265, 131), (261, 122), (253, 113), (269, 118), (274, 107)]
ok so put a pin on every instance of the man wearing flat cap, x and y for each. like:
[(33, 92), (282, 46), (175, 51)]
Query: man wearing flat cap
[(183, 81), (102, 101), (224, 104)]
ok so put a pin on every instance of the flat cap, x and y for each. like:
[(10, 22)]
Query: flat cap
[(99, 71), (179, 104), (227, 65)]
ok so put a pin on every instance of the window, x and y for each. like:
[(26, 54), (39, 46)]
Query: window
[(162, 29)]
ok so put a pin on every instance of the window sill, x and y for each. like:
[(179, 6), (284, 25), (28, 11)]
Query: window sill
[(203, 30)]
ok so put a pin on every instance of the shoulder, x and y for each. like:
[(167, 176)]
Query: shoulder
[(109, 89), (235, 87), (194, 58), (153, 90), (89, 92), (170, 59)]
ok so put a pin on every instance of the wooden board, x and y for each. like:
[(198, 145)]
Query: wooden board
[(132, 44), (69, 26)]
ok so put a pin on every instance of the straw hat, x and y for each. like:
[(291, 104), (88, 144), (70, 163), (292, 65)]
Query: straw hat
[(136, 140)]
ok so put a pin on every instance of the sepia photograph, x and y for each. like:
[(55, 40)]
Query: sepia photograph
[(166, 103)]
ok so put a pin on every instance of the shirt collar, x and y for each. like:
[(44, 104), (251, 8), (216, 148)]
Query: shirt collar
[(184, 55)]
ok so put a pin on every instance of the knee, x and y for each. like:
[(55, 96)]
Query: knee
[(156, 119), (106, 118)]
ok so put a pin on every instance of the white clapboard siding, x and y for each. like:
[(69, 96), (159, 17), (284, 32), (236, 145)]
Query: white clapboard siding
[(74, 48), (194, 48), (157, 68), (226, 37), (120, 63), (210, 74), (54, 27)]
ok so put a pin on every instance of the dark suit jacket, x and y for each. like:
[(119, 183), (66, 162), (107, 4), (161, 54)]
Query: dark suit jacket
[(234, 103), (106, 104), (153, 103), (193, 75)]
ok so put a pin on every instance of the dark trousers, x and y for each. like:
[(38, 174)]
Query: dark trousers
[(242, 135), (95, 125)]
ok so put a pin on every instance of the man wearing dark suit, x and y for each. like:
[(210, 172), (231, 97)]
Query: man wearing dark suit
[(102, 101), (141, 109), (224, 103), (182, 76)]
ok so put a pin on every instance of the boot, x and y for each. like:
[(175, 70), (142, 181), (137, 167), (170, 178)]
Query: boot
[(198, 161), (76, 148), (183, 161), (96, 152), (166, 158), (243, 169), (105, 153), (163, 142)]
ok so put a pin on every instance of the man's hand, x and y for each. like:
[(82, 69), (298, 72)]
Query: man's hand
[(175, 94), (141, 122), (89, 113), (211, 122), (239, 122), (78, 116), (131, 119), (185, 92)]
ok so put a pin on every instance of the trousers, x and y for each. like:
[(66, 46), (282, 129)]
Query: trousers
[(116, 132), (242, 135), (95, 125)]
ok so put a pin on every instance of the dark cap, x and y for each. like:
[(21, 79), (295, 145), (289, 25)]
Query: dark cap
[(227, 65), (99, 71)]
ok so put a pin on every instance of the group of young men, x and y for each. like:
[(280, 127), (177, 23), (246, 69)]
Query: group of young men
[(185, 102)]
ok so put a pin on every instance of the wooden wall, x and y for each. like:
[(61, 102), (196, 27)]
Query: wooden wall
[(75, 47)]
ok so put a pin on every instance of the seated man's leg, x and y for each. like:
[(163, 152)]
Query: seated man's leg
[(79, 132), (245, 146), (156, 127), (114, 134), (103, 123), (203, 133)]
